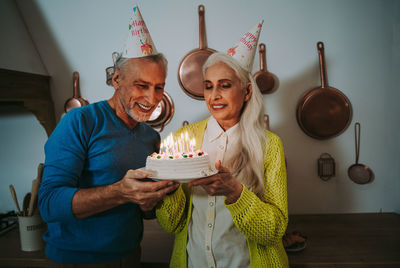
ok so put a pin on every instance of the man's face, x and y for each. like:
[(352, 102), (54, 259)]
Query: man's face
[(140, 87)]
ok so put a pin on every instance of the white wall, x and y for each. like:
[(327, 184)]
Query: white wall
[(361, 48), (22, 137)]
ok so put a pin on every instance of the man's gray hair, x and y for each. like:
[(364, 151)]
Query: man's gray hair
[(120, 62)]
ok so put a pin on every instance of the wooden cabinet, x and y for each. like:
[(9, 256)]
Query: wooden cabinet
[(31, 91)]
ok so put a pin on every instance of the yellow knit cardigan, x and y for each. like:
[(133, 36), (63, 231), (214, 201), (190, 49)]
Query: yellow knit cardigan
[(262, 222)]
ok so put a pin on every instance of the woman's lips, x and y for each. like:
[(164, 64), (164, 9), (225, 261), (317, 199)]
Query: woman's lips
[(218, 106)]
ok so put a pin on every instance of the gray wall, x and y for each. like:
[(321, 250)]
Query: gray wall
[(361, 48)]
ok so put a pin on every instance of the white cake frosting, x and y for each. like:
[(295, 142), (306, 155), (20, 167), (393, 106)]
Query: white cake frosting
[(183, 167)]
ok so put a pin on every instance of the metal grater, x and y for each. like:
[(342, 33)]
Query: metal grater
[(326, 166)]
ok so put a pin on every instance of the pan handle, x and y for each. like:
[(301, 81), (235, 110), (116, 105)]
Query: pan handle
[(202, 28), (357, 130), (320, 47), (75, 77), (263, 60)]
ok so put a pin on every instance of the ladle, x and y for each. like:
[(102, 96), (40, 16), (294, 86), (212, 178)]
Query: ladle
[(76, 100), (359, 173)]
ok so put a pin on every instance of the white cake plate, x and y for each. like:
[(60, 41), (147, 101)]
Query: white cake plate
[(153, 175)]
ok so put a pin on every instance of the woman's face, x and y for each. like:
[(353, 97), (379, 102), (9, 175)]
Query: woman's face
[(224, 94)]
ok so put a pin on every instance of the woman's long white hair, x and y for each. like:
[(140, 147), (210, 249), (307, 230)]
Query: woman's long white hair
[(247, 161)]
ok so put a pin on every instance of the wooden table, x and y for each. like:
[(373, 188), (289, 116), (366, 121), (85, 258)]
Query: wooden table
[(334, 240), (342, 240)]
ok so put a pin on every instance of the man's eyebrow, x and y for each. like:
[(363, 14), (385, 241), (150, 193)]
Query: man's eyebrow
[(142, 82), (148, 83)]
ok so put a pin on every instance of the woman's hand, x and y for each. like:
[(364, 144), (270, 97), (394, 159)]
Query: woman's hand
[(221, 183)]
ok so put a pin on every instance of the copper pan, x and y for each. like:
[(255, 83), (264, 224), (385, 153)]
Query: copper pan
[(163, 114), (264, 79), (323, 112), (76, 100), (190, 75)]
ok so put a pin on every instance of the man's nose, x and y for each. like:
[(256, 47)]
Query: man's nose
[(151, 95)]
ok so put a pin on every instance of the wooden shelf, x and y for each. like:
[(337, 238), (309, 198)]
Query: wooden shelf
[(356, 240), (334, 240), (31, 91)]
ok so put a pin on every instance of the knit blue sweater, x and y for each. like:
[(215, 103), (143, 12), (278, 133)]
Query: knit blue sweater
[(91, 147)]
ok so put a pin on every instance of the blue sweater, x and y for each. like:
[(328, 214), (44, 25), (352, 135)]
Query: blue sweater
[(91, 147)]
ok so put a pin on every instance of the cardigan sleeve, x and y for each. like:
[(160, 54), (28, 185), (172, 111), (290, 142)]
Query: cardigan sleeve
[(171, 213), (265, 221)]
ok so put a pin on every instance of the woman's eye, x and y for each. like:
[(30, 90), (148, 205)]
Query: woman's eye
[(226, 85), (207, 86)]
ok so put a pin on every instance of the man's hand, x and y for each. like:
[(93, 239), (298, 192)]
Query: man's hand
[(221, 183), (144, 193), (87, 202)]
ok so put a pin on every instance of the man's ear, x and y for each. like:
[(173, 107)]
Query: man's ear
[(116, 79), (249, 92)]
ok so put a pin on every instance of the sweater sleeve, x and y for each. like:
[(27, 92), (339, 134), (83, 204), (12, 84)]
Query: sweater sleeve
[(171, 213), (265, 221), (65, 153)]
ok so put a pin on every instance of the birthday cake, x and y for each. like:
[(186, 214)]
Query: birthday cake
[(182, 167)]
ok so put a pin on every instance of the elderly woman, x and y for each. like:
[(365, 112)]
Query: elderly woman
[(237, 217)]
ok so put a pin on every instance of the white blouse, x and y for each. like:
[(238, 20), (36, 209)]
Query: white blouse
[(214, 241)]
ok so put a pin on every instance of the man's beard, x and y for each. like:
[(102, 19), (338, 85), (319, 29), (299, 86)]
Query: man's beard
[(129, 110)]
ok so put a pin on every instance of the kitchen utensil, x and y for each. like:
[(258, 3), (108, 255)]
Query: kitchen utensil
[(190, 74), (359, 173), (35, 189), (264, 79), (14, 196), (163, 113), (111, 70), (76, 100), (323, 112), (326, 166), (266, 125), (266, 122), (25, 204)]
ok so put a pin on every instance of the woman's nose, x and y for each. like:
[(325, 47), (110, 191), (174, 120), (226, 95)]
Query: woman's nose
[(215, 95)]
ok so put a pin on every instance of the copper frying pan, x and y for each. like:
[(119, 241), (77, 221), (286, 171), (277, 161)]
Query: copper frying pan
[(323, 112), (190, 75), (264, 79), (163, 114), (76, 100)]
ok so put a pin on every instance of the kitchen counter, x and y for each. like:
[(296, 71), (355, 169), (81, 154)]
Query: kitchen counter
[(334, 240), (356, 240)]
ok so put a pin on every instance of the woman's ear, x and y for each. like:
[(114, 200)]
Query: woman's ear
[(116, 79), (249, 91)]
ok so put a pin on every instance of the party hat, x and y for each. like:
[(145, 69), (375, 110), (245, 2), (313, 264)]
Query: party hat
[(139, 42), (245, 50)]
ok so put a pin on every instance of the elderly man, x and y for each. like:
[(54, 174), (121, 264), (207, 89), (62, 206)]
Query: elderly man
[(92, 195)]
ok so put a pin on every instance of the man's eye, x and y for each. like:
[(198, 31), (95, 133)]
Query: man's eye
[(160, 88), (143, 86)]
